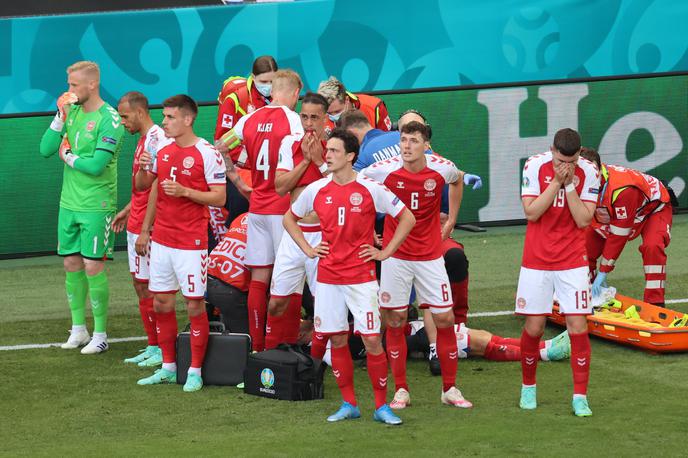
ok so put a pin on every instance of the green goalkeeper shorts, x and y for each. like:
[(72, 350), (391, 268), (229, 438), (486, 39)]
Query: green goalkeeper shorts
[(89, 234)]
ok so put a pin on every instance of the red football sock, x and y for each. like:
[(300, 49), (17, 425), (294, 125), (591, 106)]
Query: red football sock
[(257, 308), (499, 340), (343, 370), (274, 331), (397, 351), (530, 354), (166, 324), (319, 345), (460, 296), (148, 319), (292, 319), (448, 354), (580, 362), (501, 352), (199, 338), (377, 371)]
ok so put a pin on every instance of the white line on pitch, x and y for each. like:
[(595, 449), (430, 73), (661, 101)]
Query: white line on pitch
[(57, 344), (132, 339)]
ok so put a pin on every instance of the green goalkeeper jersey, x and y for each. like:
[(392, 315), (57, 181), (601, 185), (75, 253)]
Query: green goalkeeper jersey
[(87, 132)]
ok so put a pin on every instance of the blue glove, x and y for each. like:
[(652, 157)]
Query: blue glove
[(475, 180), (600, 280)]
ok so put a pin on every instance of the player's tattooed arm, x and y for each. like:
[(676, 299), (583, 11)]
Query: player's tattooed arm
[(120, 221), (143, 240)]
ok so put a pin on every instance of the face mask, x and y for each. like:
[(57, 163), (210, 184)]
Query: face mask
[(264, 88), (335, 118)]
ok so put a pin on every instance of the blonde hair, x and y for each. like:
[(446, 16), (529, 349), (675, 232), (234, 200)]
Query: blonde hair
[(332, 89), (286, 80), (86, 66)]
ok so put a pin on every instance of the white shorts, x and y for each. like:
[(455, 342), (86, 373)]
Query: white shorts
[(293, 267), (428, 277), (334, 302), (263, 236), (463, 340), (536, 289), (173, 269), (139, 266)]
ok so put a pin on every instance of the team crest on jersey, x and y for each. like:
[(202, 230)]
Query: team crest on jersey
[(576, 180), (90, 126), (385, 297), (430, 184), (356, 199), (521, 303), (188, 162)]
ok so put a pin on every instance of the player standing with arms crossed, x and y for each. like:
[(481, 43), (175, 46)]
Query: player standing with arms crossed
[(88, 133), (346, 203), (559, 195), (418, 179), (264, 133), (191, 176)]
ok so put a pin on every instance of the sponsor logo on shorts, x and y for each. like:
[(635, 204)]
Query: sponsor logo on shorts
[(521, 303), (356, 199), (430, 184), (385, 297), (109, 140), (90, 126), (188, 162)]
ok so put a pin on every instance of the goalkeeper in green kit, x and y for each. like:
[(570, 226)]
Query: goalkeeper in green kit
[(87, 134)]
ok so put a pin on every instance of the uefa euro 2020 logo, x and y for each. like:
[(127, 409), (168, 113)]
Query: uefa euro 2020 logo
[(267, 378)]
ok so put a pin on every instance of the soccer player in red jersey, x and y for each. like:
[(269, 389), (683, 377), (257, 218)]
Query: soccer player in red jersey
[(264, 133), (341, 101), (346, 204), (191, 176), (417, 179), (559, 194), (133, 109), (298, 166)]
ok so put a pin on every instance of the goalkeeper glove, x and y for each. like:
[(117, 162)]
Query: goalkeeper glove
[(66, 154), (63, 103), (475, 180)]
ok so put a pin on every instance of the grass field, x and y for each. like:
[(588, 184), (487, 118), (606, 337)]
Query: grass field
[(57, 402)]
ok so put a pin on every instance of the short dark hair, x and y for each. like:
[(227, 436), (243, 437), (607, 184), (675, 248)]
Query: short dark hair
[(350, 141), (135, 99), (416, 127), (567, 141), (315, 99), (264, 64), (353, 118), (592, 155), (183, 102)]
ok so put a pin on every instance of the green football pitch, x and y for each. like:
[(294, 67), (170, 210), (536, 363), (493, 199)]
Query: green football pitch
[(56, 402)]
